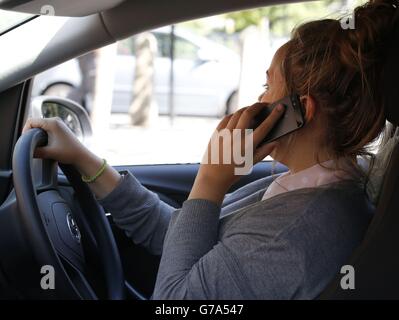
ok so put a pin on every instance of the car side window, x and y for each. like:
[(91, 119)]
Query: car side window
[(144, 109), (163, 44), (185, 49), (126, 47)]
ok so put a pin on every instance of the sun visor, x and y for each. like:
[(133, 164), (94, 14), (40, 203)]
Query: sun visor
[(69, 8)]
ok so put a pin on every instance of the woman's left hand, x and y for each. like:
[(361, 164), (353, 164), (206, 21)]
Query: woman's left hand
[(214, 179)]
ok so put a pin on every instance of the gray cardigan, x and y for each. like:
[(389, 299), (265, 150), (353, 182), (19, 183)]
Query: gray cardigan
[(286, 247)]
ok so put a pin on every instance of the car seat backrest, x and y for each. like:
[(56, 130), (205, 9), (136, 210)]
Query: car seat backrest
[(376, 261), (386, 144)]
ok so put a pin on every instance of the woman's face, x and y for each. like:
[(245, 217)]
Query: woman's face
[(274, 86), (274, 90)]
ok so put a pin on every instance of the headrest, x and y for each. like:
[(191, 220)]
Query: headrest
[(390, 79), (381, 161)]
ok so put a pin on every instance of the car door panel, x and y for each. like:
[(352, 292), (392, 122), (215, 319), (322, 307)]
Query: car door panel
[(173, 182)]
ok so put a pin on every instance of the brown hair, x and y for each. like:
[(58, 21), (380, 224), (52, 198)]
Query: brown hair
[(340, 68)]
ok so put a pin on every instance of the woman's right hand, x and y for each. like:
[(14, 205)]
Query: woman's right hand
[(62, 145)]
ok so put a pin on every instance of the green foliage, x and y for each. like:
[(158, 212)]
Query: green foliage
[(282, 18)]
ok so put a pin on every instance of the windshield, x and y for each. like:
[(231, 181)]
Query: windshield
[(9, 19)]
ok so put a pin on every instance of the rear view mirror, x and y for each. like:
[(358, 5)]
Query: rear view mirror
[(71, 113)]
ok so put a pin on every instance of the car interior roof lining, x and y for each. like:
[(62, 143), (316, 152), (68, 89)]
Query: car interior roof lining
[(48, 41)]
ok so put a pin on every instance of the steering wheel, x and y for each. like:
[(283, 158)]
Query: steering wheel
[(60, 237)]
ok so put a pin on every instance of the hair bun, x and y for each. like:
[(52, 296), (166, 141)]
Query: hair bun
[(365, 43), (374, 23)]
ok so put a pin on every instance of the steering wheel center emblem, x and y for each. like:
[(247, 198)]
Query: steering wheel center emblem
[(73, 227)]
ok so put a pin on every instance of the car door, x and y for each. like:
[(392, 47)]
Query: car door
[(201, 87), (195, 93), (125, 64), (124, 74)]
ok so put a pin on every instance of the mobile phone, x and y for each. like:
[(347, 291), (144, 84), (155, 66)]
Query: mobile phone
[(291, 120)]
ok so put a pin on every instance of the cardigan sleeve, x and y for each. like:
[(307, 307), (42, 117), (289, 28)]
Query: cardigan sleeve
[(139, 212)]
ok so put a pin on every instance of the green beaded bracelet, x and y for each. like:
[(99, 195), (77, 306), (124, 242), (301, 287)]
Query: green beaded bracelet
[(99, 173)]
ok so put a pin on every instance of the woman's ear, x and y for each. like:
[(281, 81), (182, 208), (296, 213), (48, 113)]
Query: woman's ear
[(309, 105)]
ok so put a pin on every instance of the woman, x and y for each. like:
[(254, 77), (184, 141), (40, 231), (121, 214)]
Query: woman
[(279, 237)]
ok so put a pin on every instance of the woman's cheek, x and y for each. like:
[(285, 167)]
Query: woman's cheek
[(263, 98)]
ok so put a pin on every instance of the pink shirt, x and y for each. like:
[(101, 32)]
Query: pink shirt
[(310, 177)]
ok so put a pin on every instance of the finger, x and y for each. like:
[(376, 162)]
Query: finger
[(27, 125), (263, 151), (248, 115), (34, 123), (235, 118), (264, 128), (222, 124), (41, 153)]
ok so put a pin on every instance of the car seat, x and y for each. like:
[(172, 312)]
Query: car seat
[(376, 260)]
